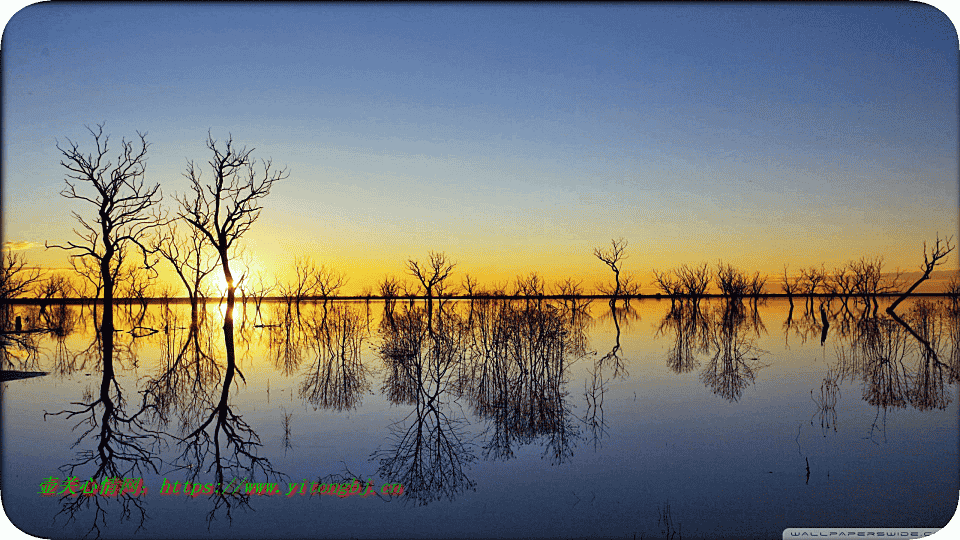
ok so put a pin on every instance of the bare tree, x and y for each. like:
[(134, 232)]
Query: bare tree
[(532, 285), (470, 285), (840, 283), (124, 205), (328, 282), (755, 287), (433, 274), (226, 207), (868, 280), (695, 279), (16, 278), (304, 282), (668, 282), (613, 257), (938, 254), (731, 280), (190, 257), (790, 286), (570, 287)]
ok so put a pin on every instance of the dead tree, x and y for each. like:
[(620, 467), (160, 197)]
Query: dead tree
[(16, 278), (226, 207), (732, 281), (190, 257), (936, 257), (694, 280), (790, 286), (613, 258), (433, 274), (124, 206), (431, 278), (669, 283)]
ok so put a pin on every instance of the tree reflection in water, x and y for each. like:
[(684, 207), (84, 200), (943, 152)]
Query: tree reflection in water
[(429, 453), (736, 361), (518, 365), (898, 359), (124, 445), (691, 331), (338, 379)]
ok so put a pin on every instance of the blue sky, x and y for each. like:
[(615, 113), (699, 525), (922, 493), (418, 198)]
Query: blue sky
[(515, 138)]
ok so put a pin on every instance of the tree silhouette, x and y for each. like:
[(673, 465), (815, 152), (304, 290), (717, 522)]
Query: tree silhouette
[(613, 258), (123, 204), (16, 278), (224, 209), (938, 253), (189, 258)]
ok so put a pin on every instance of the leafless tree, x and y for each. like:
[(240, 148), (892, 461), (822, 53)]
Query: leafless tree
[(613, 257), (840, 283), (532, 285), (732, 281), (16, 278), (328, 282), (55, 286), (938, 254), (224, 209), (570, 287), (433, 274), (669, 283), (190, 257), (755, 287), (124, 206), (869, 280), (790, 286), (695, 279), (470, 285), (304, 281)]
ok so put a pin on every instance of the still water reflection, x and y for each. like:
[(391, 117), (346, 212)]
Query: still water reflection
[(528, 417)]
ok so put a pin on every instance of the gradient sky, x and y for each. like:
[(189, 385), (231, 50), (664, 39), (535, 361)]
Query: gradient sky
[(514, 138)]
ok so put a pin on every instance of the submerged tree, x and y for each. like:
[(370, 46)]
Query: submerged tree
[(226, 207), (16, 278), (613, 257), (938, 253), (190, 257), (123, 203)]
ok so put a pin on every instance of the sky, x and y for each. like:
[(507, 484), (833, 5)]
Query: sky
[(514, 138)]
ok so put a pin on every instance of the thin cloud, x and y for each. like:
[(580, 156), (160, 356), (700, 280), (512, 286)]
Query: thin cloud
[(18, 246)]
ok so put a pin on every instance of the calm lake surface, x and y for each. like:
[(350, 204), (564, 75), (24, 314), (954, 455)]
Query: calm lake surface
[(500, 418)]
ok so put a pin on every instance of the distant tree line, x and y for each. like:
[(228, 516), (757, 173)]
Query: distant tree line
[(125, 233)]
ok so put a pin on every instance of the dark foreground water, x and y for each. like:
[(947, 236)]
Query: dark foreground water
[(522, 418)]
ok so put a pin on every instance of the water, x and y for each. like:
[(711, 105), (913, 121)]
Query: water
[(516, 418)]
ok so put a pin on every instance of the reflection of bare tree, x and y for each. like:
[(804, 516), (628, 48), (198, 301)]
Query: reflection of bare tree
[(736, 361), (691, 330), (186, 380), (517, 374), (125, 447), (338, 378), (593, 393), (877, 353), (614, 358), (928, 386), (826, 402), (429, 456), (224, 444), (286, 341)]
